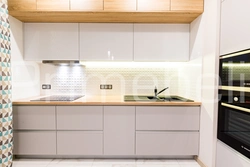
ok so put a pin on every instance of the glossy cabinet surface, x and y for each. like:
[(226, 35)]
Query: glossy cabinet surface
[(119, 130), (86, 5), (153, 5), (106, 42), (51, 41), (234, 32), (161, 42)]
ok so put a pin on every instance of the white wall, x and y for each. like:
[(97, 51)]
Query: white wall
[(205, 43), (25, 75), (228, 157)]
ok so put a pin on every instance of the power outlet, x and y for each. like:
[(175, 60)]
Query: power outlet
[(46, 86), (106, 86)]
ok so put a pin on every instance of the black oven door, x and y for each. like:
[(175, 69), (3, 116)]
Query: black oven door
[(234, 126), (235, 69)]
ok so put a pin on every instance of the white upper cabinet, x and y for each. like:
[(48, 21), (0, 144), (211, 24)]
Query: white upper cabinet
[(51, 41), (161, 42), (106, 42), (235, 26)]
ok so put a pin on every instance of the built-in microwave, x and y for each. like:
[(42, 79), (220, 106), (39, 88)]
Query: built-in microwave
[(235, 70)]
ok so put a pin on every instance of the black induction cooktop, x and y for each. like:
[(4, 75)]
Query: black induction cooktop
[(59, 98)]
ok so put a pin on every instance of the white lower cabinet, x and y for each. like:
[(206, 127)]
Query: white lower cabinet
[(119, 130), (167, 143), (79, 143), (35, 143)]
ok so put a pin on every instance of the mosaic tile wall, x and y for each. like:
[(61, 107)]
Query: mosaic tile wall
[(135, 80), (6, 133)]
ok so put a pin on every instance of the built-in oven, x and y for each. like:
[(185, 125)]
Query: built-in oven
[(235, 70), (234, 120)]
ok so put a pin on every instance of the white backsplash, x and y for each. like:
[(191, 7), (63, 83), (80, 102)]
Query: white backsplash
[(125, 81)]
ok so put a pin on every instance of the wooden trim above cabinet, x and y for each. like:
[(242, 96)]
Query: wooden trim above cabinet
[(106, 17)]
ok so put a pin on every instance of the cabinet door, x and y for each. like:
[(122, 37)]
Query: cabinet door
[(234, 33), (51, 41), (161, 42), (153, 5), (79, 143), (106, 42), (168, 118), (53, 5), (34, 118), (187, 5), (86, 5), (79, 117), (167, 143), (119, 130), (120, 5), (35, 143), (22, 5)]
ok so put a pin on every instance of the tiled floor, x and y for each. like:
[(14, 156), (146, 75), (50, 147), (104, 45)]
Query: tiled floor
[(105, 163)]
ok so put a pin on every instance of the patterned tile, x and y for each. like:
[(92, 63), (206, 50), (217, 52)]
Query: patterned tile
[(6, 133)]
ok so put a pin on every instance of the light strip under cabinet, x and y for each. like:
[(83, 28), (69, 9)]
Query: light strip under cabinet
[(236, 107)]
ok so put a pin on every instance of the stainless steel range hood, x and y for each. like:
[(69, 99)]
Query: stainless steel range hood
[(62, 62)]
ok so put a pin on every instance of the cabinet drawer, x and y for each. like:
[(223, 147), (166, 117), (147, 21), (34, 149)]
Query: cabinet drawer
[(79, 117), (167, 143), (167, 118), (34, 117), (79, 143), (35, 143)]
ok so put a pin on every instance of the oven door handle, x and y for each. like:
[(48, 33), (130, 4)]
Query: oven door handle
[(236, 107)]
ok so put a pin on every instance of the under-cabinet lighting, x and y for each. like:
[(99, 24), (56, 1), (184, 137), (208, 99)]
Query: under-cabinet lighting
[(132, 64), (236, 64)]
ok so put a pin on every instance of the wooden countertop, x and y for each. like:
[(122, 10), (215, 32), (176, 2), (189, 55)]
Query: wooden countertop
[(101, 101)]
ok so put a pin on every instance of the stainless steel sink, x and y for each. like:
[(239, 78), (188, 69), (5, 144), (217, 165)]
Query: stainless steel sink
[(145, 98)]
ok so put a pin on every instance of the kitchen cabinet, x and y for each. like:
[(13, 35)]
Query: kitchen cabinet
[(34, 118), (53, 5), (153, 5), (79, 117), (51, 41), (167, 130), (86, 5), (161, 42), (234, 30), (34, 142), (167, 143), (106, 11), (106, 42), (79, 142), (120, 5), (189, 5), (119, 130), (101, 131), (167, 118), (22, 5), (34, 130)]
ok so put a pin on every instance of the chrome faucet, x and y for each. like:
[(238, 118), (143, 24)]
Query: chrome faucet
[(157, 93)]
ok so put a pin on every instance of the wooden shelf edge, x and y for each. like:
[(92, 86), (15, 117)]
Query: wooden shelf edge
[(106, 17)]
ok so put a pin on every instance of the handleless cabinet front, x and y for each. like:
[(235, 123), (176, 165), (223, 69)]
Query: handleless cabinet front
[(79, 117), (51, 41), (119, 130), (161, 42), (34, 118), (106, 42)]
